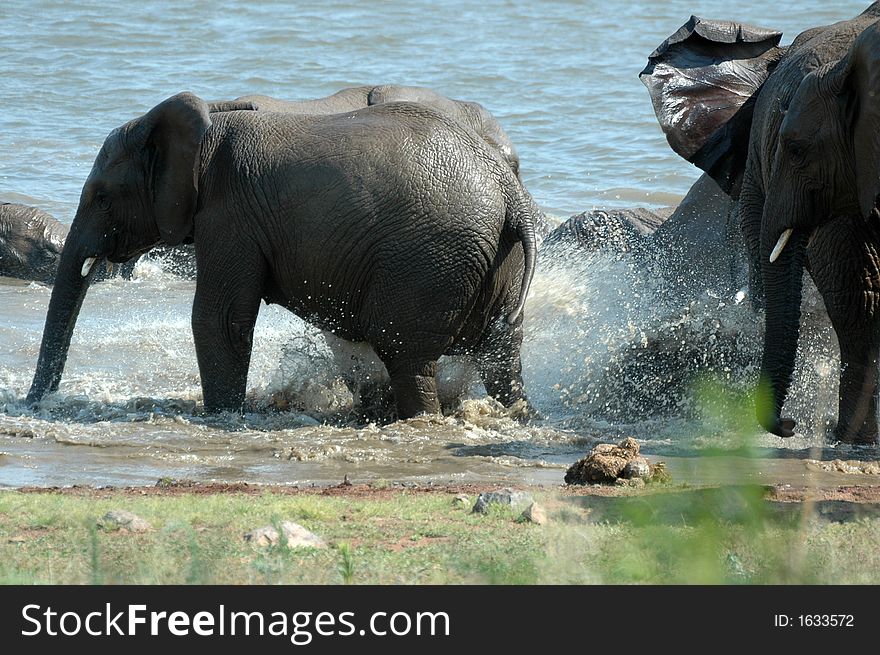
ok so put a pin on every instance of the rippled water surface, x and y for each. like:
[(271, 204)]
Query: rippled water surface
[(603, 356)]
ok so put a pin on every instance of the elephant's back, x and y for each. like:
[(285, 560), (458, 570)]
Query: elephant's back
[(398, 157)]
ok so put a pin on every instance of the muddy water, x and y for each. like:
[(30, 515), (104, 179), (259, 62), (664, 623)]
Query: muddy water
[(607, 354), (128, 410)]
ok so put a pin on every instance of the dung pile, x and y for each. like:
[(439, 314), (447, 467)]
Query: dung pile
[(607, 464)]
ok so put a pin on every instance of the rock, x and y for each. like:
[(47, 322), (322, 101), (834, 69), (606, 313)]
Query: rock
[(659, 474), (534, 513), (296, 536), (461, 500), (607, 464), (604, 464), (510, 497), (637, 468), (120, 519), (635, 483)]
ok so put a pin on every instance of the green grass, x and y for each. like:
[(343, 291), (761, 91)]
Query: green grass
[(724, 536)]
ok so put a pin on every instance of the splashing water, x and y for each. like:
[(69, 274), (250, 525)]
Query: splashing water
[(609, 350)]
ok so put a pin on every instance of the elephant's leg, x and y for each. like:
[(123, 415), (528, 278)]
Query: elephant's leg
[(857, 409), (844, 258), (498, 360), (414, 381), (225, 309)]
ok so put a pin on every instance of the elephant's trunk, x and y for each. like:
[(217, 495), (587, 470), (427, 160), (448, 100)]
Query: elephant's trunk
[(783, 281), (75, 272)]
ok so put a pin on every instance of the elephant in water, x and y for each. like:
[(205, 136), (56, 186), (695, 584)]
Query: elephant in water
[(31, 241), (470, 114), (691, 249), (392, 225), (791, 134), (652, 282)]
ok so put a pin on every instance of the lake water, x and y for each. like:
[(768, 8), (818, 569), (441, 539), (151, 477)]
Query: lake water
[(560, 76)]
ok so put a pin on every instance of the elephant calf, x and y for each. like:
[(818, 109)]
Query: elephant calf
[(393, 225)]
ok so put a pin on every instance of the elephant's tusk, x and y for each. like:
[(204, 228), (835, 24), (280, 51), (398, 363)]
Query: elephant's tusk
[(87, 265), (777, 249)]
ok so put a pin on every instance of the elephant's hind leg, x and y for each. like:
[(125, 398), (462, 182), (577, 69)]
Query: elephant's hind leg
[(414, 382), (497, 357)]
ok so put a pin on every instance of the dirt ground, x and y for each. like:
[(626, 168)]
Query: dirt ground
[(773, 493)]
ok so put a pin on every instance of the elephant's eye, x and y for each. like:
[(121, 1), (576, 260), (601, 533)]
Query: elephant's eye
[(796, 148), (102, 200)]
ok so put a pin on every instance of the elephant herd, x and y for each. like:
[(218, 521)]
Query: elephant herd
[(397, 217)]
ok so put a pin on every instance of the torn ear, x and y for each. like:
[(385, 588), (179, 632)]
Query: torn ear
[(175, 129), (703, 81)]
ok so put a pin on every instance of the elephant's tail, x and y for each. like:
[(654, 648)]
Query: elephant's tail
[(521, 218)]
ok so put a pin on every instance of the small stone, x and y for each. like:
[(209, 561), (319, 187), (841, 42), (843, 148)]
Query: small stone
[(637, 468), (606, 463), (659, 474), (461, 500), (120, 519), (296, 536), (534, 513), (510, 497)]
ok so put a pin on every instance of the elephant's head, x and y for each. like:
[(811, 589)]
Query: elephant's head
[(142, 190), (826, 165)]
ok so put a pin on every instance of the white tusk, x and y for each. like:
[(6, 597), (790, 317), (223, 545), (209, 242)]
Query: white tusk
[(87, 265), (777, 249)]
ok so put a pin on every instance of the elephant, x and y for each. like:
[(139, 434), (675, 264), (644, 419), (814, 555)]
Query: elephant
[(692, 248), (790, 134), (660, 304), (621, 230), (392, 225), (31, 241), (471, 114)]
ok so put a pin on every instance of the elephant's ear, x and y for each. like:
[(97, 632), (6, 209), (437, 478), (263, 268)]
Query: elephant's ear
[(703, 81), (175, 129), (857, 79)]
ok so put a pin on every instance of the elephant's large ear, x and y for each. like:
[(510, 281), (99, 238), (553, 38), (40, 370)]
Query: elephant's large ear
[(703, 81), (857, 80), (174, 132)]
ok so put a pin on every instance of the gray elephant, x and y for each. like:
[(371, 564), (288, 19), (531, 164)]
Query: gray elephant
[(692, 248), (471, 114), (31, 241), (660, 324), (790, 134), (392, 225)]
